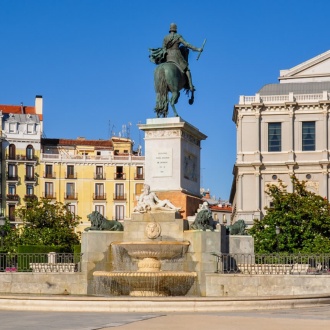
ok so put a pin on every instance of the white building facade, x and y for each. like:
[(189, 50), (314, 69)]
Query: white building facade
[(282, 130)]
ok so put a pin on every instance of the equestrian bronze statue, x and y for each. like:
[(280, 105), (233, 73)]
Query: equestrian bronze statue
[(172, 72)]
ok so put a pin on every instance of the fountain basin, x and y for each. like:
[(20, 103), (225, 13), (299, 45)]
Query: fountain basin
[(137, 284), (160, 249)]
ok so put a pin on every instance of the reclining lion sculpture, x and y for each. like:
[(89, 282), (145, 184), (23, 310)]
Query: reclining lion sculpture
[(99, 222)]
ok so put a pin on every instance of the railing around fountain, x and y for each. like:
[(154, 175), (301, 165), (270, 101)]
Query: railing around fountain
[(40, 262), (272, 264)]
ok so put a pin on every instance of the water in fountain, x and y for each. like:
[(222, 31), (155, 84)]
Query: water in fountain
[(145, 277)]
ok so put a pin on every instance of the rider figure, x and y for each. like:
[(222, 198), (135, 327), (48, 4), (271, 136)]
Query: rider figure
[(171, 43)]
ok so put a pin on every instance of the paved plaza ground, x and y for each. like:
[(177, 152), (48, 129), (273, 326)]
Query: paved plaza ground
[(302, 319)]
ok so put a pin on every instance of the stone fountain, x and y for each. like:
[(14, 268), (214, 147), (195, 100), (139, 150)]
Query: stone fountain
[(137, 265)]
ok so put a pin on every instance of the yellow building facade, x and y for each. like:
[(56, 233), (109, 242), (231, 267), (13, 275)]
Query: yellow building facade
[(92, 175), (88, 175)]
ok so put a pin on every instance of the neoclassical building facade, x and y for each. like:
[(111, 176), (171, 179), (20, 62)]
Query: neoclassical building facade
[(282, 130)]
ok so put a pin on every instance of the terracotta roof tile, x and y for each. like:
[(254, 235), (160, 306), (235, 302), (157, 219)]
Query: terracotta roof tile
[(17, 109), (77, 142)]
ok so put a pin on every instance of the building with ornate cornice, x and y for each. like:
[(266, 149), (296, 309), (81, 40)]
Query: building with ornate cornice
[(88, 175), (92, 175), (282, 130), (21, 131)]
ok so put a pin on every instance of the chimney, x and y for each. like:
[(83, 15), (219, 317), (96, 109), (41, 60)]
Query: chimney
[(22, 108), (38, 104)]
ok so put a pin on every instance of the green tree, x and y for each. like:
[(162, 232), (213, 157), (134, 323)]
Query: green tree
[(301, 217), (47, 223)]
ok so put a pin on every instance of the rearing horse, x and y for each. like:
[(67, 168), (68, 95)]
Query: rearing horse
[(168, 77)]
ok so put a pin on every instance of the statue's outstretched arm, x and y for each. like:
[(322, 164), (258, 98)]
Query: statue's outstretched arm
[(188, 45)]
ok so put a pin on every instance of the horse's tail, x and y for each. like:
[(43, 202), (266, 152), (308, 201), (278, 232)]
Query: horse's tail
[(162, 93)]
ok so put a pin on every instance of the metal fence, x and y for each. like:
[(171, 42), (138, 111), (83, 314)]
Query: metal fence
[(272, 264), (40, 262)]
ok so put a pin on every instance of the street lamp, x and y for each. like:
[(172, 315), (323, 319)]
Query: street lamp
[(2, 231), (277, 231)]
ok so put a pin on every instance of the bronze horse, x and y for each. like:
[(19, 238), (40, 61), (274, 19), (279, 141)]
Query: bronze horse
[(169, 78)]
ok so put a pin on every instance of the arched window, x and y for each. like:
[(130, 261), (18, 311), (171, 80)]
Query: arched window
[(29, 152), (12, 151)]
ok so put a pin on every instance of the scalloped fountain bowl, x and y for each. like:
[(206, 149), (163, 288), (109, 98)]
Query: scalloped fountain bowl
[(148, 279)]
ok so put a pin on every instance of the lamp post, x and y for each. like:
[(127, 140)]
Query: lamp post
[(2, 232), (277, 231)]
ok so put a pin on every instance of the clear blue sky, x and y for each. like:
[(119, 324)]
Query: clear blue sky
[(89, 61)]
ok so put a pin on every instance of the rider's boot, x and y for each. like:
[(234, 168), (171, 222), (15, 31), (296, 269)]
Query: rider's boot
[(191, 86)]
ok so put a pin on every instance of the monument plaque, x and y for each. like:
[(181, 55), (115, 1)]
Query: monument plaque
[(162, 163)]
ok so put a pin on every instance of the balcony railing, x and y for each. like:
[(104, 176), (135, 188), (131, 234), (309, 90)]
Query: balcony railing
[(22, 158), (12, 177), (120, 176), (49, 195), (138, 176), (12, 197), (30, 198), (120, 197), (273, 264), (71, 196), (49, 175), (30, 178), (290, 97), (99, 176), (99, 196), (71, 175)]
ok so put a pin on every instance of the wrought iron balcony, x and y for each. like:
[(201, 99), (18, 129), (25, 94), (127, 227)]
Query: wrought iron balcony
[(71, 175), (120, 176), (71, 196), (99, 196), (12, 177), (119, 197), (49, 175), (30, 198), (12, 197), (99, 176), (49, 195), (30, 178), (138, 176)]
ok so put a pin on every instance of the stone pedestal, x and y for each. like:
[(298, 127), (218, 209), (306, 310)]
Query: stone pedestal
[(172, 159)]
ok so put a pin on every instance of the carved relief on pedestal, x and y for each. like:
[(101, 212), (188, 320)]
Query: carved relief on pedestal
[(153, 230)]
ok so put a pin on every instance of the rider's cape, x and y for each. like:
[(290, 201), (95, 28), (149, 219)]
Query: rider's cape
[(157, 55)]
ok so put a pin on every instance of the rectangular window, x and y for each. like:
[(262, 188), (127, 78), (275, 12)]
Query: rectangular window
[(29, 190), (29, 172), (30, 128), (11, 212), (99, 172), (308, 135), (119, 190), (12, 127), (49, 171), (139, 172), (100, 209), (99, 191), (70, 171), (119, 212), (12, 171), (12, 189), (49, 192), (274, 137), (138, 189), (70, 191), (72, 208)]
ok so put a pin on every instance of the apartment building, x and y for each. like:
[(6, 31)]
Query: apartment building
[(88, 175), (92, 175)]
